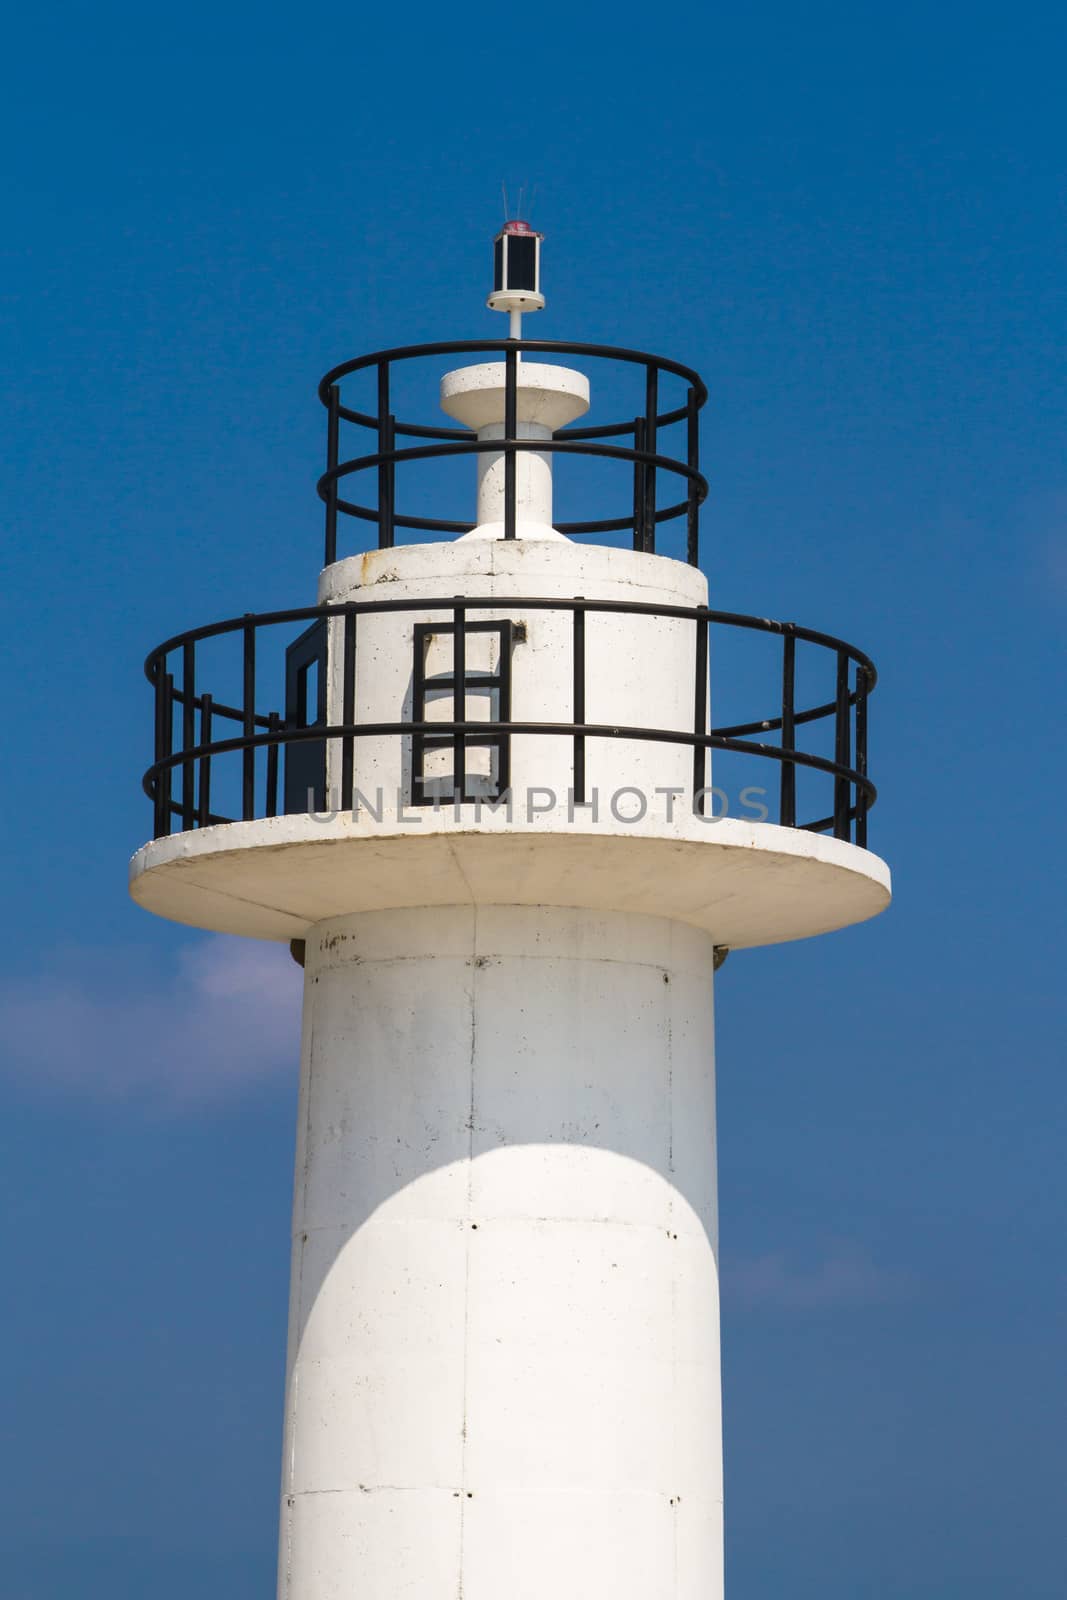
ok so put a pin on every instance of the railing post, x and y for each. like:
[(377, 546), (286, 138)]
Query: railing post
[(164, 746), (700, 711), (511, 407), (333, 433), (386, 469), (188, 733), (578, 650), (787, 800), (862, 689), (348, 707), (507, 640), (639, 486), (692, 519), (842, 744), (248, 709), (459, 701), (651, 418), (274, 723), (203, 811)]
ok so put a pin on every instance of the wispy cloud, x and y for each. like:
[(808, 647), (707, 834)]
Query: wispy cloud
[(845, 1276), (1043, 525), (214, 1020)]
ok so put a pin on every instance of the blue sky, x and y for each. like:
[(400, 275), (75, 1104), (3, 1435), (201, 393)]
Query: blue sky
[(850, 219)]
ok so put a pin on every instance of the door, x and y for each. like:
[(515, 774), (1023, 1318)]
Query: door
[(305, 707)]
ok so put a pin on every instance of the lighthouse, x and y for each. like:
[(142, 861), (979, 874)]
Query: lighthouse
[(481, 788)]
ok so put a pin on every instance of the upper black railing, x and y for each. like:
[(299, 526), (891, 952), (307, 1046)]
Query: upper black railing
[(182, 781), (643, 516)]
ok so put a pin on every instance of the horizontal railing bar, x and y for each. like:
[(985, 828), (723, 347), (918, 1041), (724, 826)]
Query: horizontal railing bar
[(451, 347), (421, 524), (234, 713), (590, 730), (820, 826), (770, 724), (618, 524), (411, 430), (473, 446), (823, 825), (664, 419), (443, 525), (265, 619), (215, 819), (423, 430)]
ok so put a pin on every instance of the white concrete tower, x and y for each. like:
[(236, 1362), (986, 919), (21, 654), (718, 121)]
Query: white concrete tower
[(471, 786)]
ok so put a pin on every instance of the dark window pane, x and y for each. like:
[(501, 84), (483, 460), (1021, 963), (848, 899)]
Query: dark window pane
[(498, 264), (522, 262)]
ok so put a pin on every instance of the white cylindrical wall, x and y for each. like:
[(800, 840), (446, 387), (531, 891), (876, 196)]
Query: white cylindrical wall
[(503, 1374), (640, 670), (533, 480)]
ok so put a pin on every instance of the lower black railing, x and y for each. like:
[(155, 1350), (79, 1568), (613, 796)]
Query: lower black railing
[(181, 780)]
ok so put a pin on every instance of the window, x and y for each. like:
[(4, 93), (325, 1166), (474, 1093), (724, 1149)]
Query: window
[(482, 759)]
